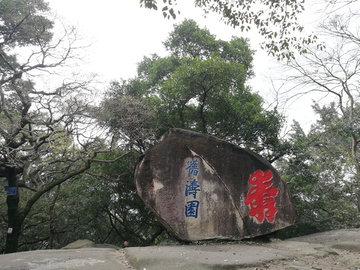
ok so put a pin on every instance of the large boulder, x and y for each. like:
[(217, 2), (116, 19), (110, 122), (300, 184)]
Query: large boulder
[(201, 187)]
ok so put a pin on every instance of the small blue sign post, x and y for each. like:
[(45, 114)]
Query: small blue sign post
[(11, 191)]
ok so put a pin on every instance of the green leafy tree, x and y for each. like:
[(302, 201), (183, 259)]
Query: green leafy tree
[(101, 205), (321, 176), (126, 215), (47, 135), (201, 86)]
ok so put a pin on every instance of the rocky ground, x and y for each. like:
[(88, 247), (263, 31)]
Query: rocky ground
[(329, 250), (309, 262), (343, 260), (119, 257), (326, 251)]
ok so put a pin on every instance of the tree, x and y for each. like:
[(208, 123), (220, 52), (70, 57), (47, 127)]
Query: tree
[(127, 117), (126, 216), (321, 177), (201, 83), (100, 205), (46, 133), (200, 86), (335, 72), (325, 170)]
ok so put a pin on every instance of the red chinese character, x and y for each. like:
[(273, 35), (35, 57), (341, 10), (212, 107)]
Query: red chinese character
[(261, 197)]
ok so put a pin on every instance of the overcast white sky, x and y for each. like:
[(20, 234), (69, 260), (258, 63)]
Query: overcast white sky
[(122, 33)]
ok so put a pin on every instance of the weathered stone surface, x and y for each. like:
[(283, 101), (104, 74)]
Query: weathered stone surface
[(83, 243), (201, 188)]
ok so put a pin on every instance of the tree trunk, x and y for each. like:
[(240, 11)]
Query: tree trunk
[(14, 222), (354, 145), (52, 217)]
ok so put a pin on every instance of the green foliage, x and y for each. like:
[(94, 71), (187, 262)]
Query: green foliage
[(200, 84), (322, 176), (105, 208), (101, 206), (188, 40), (23, 23), (114, 195)]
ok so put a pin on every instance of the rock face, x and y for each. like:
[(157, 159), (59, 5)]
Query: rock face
[(202, 188)]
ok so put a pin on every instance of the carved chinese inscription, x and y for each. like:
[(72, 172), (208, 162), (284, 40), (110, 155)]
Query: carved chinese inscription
[(261, 197), (191, 189)]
